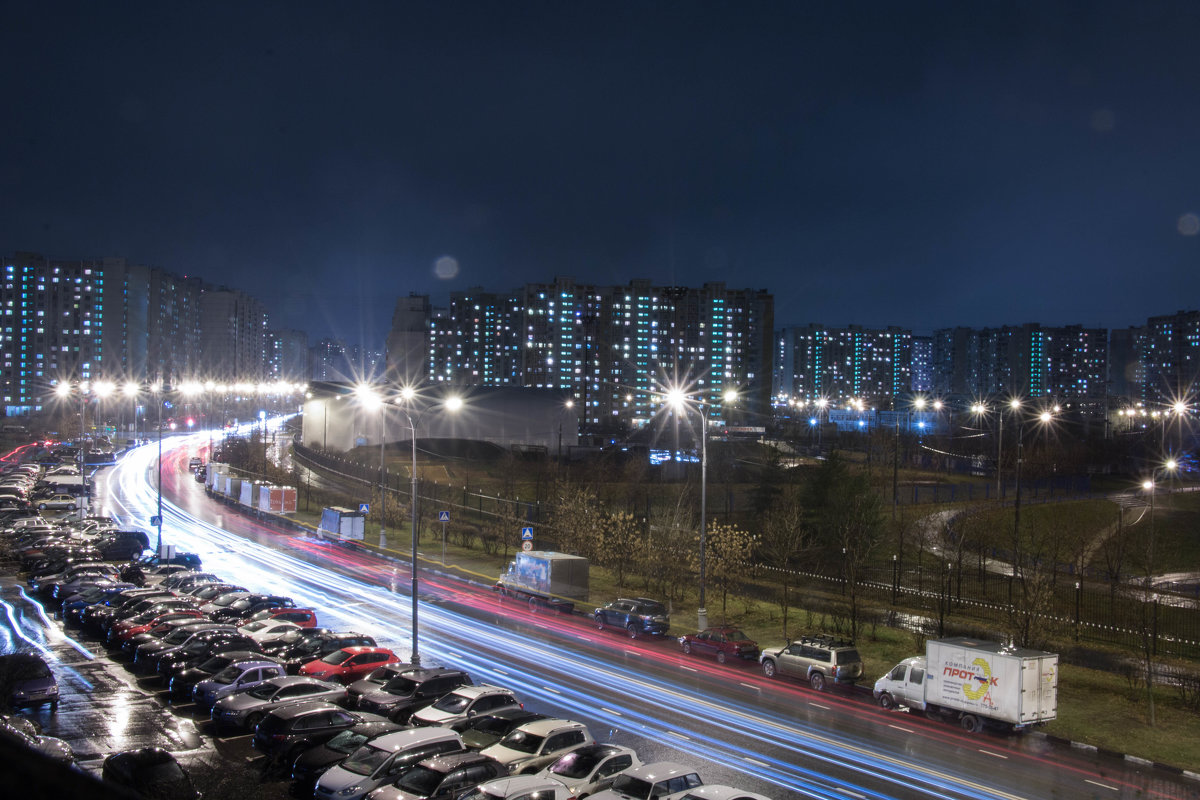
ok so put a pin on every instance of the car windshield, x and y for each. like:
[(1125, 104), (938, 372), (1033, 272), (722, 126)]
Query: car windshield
[(337, 657), (634, 787), (227, 675), (162, 772), (178, 636), (575, 765), (496, 726), (366, 760), (523, 741), (241, 604), (421, 781), (255, 627), (346, 742), (215, 664), (452, 703), (400, 685), (736, 636), (264, 691), (226, 599), (29, 668)]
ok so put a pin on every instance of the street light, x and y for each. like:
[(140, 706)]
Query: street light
[(678, 400), (157, 388), (1150, 486), (453, 403), (373, 400)]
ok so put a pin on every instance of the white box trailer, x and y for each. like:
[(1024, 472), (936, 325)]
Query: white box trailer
[(976, 683), (342, 524)]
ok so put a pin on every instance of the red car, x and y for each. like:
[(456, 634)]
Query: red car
[(721, 643), (349, 664), (127, 629)]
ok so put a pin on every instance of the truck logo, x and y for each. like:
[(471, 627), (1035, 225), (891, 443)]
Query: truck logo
[(976, 683)]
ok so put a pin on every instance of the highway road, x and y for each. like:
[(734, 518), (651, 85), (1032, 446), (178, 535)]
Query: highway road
[(731, 723)]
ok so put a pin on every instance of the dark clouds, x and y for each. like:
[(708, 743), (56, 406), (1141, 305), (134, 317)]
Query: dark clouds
[(879, 163)]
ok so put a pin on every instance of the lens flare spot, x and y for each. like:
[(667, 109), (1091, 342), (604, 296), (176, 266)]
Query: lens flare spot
[(446, 268)]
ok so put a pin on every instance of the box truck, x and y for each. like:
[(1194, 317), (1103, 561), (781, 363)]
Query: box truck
[(342, 524), (544, 578), (975, 683)]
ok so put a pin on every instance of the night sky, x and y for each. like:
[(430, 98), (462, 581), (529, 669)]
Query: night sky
[(914, 164)]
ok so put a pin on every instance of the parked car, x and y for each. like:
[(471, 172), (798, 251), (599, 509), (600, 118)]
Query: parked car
[(265, 630), (412, 690), (197, 652), (375, 680), (58, 502), (145, 656), (148, 621), (122, 545), (649, 781), (28, 680), (18, 735), (532, 745), (149, 772), (310, 765), (442, 777), (304, 617), (286, 732), (591, 768), (313, 648), (456, 708), (349, 664), (73, 607), (721, 643), (636, 617), (519, 787), (715, 791), (225, 674), (487, 729), (247, 709), (251, 604), (384, 760), (820, 660)]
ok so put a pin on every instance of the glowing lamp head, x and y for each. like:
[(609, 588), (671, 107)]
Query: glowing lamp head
[(1147, 485), (454, 403), (730, 395)]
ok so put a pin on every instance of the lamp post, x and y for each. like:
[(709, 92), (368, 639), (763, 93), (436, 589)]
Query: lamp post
[(157, 388), (1152, 648), (453, 404), (373, 400), (678, 400)]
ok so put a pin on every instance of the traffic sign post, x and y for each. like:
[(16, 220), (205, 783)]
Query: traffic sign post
[(443, 517)]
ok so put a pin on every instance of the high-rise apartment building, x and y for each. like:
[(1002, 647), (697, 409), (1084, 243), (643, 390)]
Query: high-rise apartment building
[(1171, 358), (841, 364), (1031, 360), (53, 326), (408, 340), (611, 349), (233, 343)]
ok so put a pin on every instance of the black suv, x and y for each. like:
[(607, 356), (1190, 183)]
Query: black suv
[(634, 616), (412, 691), (122, 545), (314, 647), (820, 660)]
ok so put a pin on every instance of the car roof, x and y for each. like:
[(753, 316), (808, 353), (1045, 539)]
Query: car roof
[(480, 690), (658, 770), (292, 711), (402, 740), (511, 784), (717, 791), (291, 680), (449, 761), (545, 727)]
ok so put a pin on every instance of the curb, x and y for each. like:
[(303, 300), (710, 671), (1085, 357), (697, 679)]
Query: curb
[(1142, 762)]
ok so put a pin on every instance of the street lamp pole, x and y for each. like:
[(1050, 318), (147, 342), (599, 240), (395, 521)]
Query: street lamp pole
[(382, 475), (158, 394)]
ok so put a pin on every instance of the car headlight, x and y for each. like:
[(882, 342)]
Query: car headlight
[(349, 790)]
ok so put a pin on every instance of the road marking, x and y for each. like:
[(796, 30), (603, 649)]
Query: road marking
[(994, 755), (754, 761), (499, 671), (689, 669), (897, 727), (551, 689), (679, 735), (1101, 785), (748, 685), (610, 711), (818, 705)]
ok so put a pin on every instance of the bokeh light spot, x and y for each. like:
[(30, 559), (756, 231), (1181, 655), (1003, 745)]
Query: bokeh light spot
[(446, 267), (1189, 224)]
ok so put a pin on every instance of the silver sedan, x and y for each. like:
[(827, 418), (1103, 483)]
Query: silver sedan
[(246, 709)]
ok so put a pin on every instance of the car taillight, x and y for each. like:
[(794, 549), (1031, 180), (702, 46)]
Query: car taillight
[(279, 737)]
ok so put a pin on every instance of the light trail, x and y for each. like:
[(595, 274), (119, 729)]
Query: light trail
[(533, 664)]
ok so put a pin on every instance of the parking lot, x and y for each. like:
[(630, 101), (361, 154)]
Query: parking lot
[(105, 708)]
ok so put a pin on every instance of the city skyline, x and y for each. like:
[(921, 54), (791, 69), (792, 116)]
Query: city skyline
[(922, 167)]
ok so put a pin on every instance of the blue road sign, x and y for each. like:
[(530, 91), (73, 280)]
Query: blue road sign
[(364, 508), (443, 516), (526, 533)]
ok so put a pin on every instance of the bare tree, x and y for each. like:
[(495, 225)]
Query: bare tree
[(784, 537)]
